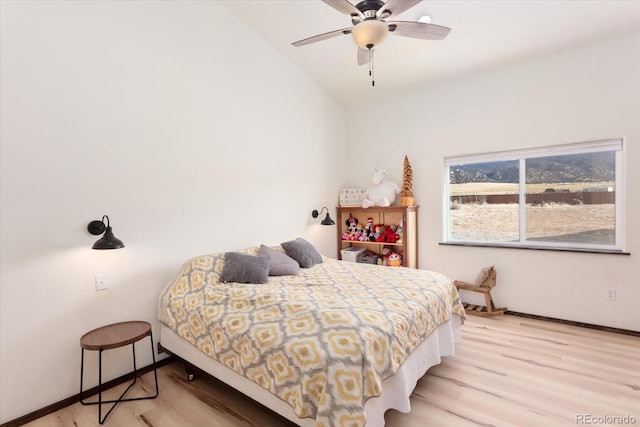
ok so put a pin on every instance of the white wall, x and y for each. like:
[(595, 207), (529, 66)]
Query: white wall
[(582, 95), (177, 121)]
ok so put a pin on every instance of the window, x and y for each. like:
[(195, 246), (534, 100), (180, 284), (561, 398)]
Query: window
[(561, 197)]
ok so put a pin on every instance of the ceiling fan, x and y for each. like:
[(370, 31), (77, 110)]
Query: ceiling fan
[(370, 26)]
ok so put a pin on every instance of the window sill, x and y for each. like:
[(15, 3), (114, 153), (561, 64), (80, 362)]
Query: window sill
[(537, 248)]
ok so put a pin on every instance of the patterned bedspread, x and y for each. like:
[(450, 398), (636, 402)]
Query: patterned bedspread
[(322, 341)]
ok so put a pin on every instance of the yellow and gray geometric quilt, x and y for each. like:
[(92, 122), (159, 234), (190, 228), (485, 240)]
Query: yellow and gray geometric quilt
[(323, 341)]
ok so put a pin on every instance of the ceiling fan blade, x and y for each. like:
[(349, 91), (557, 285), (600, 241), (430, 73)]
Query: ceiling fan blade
[(323, 36), (395, 7), (344, 6), (363, 56), (418, 30)]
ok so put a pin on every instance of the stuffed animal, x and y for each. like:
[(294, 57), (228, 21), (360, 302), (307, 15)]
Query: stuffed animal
[(383, 192), (394, 259), (358, 234), (384, 258), (400, 231), (395, 237), (378, 229), (390, 236), (387, 236), (367, 230), (364, 234), (369, 227), (352, 225)]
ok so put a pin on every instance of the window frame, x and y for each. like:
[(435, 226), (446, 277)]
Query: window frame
[(521, 156)]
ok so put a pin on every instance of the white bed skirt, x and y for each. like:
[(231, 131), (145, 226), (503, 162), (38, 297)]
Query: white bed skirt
[(395, 390)]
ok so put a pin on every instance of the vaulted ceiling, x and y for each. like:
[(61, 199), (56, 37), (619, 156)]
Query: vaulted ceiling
[(485, 34)]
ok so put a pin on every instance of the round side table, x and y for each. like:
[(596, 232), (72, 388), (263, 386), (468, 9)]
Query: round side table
[(114, 336)]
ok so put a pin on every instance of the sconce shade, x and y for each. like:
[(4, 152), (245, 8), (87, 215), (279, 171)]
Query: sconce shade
[(327, 219), (108, 240)]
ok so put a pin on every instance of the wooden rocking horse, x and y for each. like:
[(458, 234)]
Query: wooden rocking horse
[(484, 282)]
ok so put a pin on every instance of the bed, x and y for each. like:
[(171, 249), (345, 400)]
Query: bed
[(336, 344)]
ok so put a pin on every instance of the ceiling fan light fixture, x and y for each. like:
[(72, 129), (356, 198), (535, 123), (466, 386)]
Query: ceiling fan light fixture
[(369, 33)]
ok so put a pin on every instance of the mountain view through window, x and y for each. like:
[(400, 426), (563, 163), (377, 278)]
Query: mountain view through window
[(563, 200)]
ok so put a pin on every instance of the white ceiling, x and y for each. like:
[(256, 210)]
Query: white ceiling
[(484, 35)]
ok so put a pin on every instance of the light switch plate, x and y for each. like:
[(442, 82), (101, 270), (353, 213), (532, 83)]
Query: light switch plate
[(101, 282)]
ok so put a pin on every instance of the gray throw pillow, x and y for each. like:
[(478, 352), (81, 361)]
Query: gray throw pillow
[(303, 252), (280, 264), (244, 268)]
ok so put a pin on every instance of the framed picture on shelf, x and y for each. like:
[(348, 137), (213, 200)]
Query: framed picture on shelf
[(352, 196)]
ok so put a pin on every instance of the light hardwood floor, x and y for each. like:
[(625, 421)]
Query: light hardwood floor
[(507, 371)]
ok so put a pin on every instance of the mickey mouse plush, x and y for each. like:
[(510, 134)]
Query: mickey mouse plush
[(352, 225)]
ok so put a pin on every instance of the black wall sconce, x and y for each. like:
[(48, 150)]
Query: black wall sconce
[(327, 219), (108, 240)]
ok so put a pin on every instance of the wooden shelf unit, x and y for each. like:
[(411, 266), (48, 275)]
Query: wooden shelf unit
[(389, 216)]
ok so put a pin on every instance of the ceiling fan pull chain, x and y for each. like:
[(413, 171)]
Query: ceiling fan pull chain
[(373, 79)]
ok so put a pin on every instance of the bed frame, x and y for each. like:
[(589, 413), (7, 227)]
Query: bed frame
[(395, 392)]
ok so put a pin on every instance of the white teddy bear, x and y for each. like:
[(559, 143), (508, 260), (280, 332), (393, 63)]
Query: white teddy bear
[(383, 192)]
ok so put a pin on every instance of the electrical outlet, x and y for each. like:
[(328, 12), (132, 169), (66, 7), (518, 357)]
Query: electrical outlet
[(101, 282), (610, 294)]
